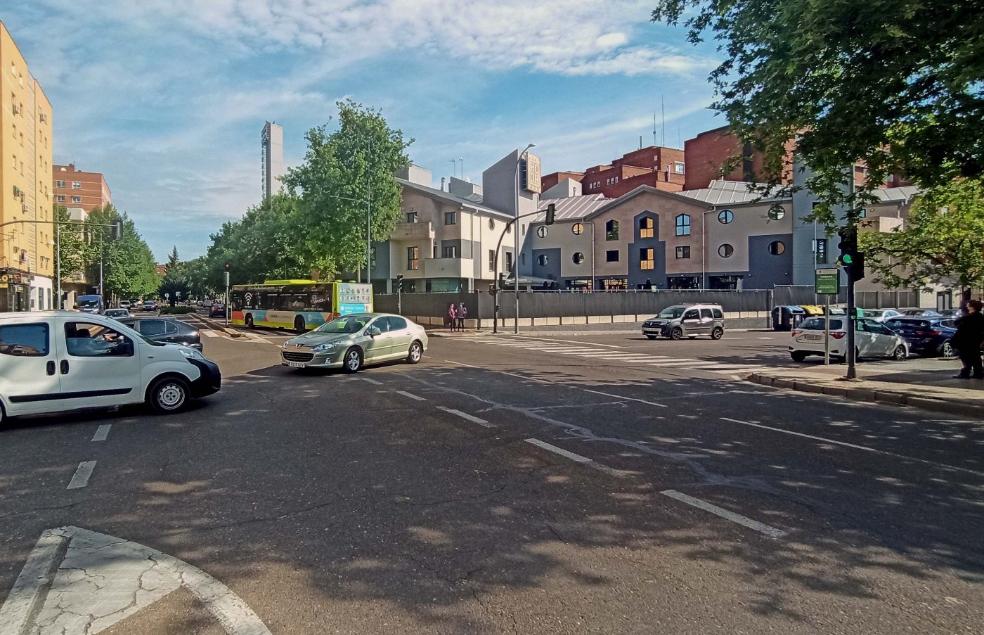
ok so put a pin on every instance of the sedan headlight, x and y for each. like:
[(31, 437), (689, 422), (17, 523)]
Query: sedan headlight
[(323, 348)]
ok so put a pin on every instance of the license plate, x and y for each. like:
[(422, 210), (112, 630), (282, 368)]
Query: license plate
[(813, 338), (296, 364)]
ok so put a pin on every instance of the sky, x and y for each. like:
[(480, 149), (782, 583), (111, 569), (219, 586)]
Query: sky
[(167, 98)]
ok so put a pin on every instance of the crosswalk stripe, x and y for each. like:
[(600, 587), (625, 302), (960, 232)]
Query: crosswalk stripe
[(209, 333)]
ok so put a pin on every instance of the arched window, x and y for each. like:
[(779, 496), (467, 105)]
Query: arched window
[(682, 225), (726, 216), (726, 250), (777, 248), (611, 230)]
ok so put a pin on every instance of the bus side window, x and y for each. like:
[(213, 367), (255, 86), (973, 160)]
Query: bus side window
[(299, 301), (320, 302)]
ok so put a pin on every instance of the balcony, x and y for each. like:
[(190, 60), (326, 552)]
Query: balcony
[(413, 232), (448, 267)]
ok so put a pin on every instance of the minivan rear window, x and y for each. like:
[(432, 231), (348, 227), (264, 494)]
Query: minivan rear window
[(24, 340), (817, 324)]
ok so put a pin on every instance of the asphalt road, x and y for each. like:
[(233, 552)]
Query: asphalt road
[(521, 484)]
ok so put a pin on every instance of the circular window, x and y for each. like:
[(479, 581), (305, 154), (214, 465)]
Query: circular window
[(542, 260), (491, 223), (777, 248), (541, 231), (577, 229), (578, 257), (725, 216), (726, 250), (777, 212)]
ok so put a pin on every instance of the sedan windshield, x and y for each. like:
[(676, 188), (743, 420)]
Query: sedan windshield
[(671, 312), (347, 324)]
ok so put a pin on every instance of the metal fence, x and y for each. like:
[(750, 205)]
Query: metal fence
[(804, 294)]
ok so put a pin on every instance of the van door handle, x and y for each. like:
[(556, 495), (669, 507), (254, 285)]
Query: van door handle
[(64, 367), (51, 368)]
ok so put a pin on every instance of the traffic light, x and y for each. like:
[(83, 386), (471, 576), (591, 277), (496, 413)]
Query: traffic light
[(551, 214), (227, 266), (850, 258), (399, 283)]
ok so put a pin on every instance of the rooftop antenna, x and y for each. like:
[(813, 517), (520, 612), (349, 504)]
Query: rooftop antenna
[(640, 142), (453, 164), (662, 106), (654, 127)]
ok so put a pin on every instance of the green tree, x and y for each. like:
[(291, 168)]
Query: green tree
[(174, 284), (896, 84), (347, 174), (128, 265), (942, 240), (196, 275), (73, 250)]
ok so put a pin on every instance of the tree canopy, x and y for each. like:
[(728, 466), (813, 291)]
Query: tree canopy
[(128, 264), (896, 84)]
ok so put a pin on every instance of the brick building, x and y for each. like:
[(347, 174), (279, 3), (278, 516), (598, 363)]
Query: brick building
[(659, 167), (75, 188), (708, 153)]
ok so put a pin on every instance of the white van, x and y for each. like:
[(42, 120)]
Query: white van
[(52, 361)]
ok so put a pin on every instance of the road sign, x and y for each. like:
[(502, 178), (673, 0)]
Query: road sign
[(827, 281)]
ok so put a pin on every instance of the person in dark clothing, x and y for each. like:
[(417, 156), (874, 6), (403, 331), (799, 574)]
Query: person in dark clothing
[(968, 339)]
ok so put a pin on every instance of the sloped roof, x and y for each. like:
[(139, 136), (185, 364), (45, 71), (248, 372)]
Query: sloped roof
[(451, 198), (571, 207), (896, 194), (720, 192)]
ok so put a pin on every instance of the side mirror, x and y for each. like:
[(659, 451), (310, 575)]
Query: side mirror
[(373, 331)]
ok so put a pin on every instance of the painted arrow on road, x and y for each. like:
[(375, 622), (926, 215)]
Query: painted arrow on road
[(80, 581)]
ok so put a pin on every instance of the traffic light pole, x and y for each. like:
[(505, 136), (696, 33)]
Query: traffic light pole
[(495, 265), (852, 360)]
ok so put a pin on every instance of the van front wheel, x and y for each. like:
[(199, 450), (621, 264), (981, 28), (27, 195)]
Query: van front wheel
[(168, 395)]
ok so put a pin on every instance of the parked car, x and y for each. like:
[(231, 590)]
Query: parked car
[(871, 339), (928, 336), (217, 311), (52, 361), (880, 315), (951, 314), (913, 312), (686, 320), (167, 331), (89, 303), (150, 305), (352, 341), (117, 314), (124, 304)]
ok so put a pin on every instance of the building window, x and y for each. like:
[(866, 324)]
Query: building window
[(683, 253), (678, 167), (450, 218), (682, 225), (76, 199), (777, 248), (76, 185), (491, 223), (577, 258), (59, 183), (647, 259), (647, 227), (508, 228), (777, 212), (726, 250), (611, 230), (450, 251), (542, 231), (411, 216), (543, 260), (820, 249), (611, 255), (492, 260), (413, 258), (726, 217), (577, 229), (509, 261), (60, 198)]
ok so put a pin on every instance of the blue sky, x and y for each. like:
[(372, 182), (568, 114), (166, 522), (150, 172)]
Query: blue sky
[(167, 97)]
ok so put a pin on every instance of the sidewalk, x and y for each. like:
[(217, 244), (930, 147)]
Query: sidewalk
[(920, 383)]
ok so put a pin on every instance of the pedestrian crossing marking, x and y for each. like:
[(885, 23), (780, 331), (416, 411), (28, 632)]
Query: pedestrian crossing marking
[(209, 333)]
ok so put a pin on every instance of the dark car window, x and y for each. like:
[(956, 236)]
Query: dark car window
[(24, 340), (171, 327), (691, 315), (84, 339), (151, 328), (396, 323), (718, 314), (705, 313), (184, 329)]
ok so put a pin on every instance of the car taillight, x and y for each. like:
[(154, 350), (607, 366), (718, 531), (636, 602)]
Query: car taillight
[(936, 333), (796, 332), (838, 335)]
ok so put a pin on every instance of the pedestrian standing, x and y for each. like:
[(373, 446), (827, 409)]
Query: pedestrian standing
[(462, 314), (968, 339), (452, 316)]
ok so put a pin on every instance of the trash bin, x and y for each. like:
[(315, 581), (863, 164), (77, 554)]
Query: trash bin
[(786, 317)]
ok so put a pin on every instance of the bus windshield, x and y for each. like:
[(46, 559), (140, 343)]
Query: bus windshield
[(347, 324)]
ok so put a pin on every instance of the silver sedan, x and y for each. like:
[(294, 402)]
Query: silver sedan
[(353, 341)]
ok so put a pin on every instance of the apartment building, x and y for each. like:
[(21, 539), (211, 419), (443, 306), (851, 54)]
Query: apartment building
[(74, 188), (447, 238), (656, 166), (271, 158), (26, 203)]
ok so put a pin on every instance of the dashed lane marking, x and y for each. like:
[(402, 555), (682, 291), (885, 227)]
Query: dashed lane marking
[(577, 458), (466, 416), (102, 432), (369, 380), (744, 521), (82, 473), (410, 395)]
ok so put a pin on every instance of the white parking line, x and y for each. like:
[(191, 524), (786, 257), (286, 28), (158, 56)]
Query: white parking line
[(624, 398), (370, 381), (744, 521), (577, 458), (102, 432), (81, 477), (466, 416), (410, 395)]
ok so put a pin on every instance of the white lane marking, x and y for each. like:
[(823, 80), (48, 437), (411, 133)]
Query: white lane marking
[(582, 343), (744, 521), (209, 333), (855, 447), (80, 581), (624, 398), (466, 416), (102, 432), (410, 395), (369, 380), (577, 458), (81, 477)]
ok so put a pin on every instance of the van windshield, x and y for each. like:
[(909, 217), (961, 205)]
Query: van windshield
[(89, 301), (672, 312)]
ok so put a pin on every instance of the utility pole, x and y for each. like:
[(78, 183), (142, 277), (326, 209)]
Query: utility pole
[(519, 160)]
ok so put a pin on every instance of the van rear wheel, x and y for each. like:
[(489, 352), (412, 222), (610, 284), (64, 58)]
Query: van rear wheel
[(717, 333), (168, 395)]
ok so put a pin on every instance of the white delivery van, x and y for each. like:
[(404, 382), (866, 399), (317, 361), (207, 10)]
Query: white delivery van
[(52, 361)]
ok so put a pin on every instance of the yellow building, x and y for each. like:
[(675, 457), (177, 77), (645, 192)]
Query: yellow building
[(27, 253)]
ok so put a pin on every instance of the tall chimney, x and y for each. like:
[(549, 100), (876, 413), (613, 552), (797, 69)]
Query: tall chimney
[(442, 183)]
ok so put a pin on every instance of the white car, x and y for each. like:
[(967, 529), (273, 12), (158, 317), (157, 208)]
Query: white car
[(881, 315), (871, 339), (117, 314), (52, 361)]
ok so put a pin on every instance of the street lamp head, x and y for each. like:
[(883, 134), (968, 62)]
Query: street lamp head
[(527, 149)]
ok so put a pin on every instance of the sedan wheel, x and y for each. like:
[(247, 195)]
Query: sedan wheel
[(899, 354), (947, 349), (353, 360), (416, 353)]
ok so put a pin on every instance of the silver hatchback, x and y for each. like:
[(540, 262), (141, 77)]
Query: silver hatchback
[(686, 320), (353, 341)]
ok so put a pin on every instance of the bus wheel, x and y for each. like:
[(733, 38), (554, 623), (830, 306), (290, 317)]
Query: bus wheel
[(249, 320), (299, 324)]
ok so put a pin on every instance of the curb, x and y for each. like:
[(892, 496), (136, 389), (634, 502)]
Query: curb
[(220, 327), (869, 395)]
